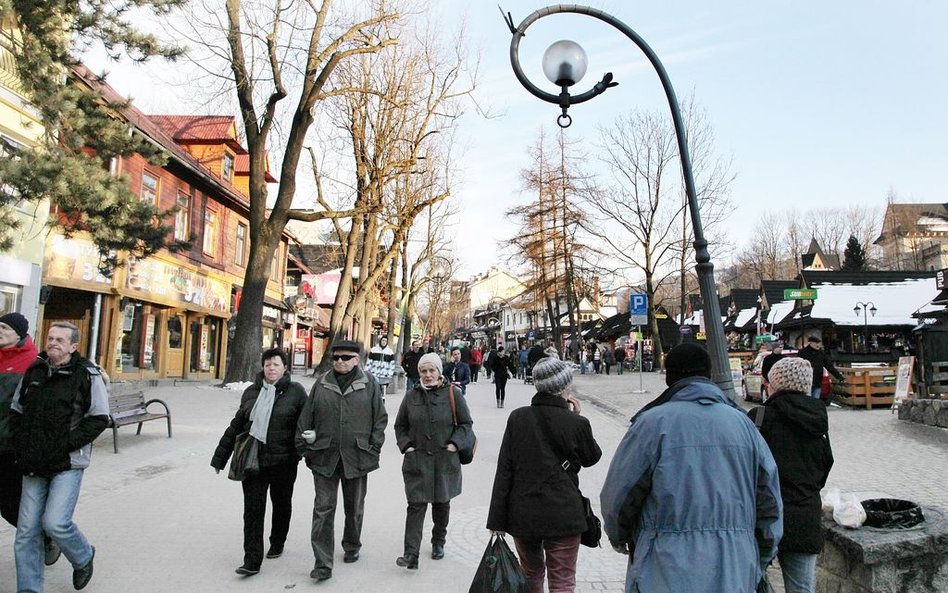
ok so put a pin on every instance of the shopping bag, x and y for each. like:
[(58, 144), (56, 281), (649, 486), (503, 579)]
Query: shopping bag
[(499, 570), (244, 461), (590, 538)]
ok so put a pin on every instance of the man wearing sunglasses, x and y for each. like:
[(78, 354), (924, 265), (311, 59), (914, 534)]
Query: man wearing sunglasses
[(341, 431)]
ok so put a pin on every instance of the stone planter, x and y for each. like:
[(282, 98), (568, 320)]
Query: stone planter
[(870, 560), (933, 412)]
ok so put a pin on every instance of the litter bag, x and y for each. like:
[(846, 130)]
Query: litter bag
[(849, 511), (892, 513), (244, 461), (499, 570)]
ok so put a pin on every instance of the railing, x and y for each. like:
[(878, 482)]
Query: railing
[(8, 74)]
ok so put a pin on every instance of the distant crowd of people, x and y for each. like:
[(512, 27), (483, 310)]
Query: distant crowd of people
[(701, 495)]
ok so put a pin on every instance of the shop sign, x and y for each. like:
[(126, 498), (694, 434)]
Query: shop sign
[(940, 279), (321, 288), (799, 294), (271, 313), (72, 261), (171, 282)]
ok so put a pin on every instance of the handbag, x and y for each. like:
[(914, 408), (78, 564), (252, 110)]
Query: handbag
[(590, 538), (499, 570), (465, 454), (245, 460)]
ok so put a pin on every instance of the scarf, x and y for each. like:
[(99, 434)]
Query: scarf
[(260, 414)]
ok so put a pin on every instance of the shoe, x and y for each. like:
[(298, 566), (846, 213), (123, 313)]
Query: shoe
[(409, 561), (275, 552), (51, 550), (321, 574), (351, 556), (82, 576), (246, 571), (437, 551)]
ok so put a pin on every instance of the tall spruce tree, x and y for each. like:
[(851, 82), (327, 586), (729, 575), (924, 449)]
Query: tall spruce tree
[(854, 257), (82, 133)]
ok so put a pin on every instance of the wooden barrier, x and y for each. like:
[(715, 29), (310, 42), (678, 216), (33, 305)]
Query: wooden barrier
[(939, 384), (868, 386)]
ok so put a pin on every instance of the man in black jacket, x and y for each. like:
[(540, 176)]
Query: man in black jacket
[(61, 406), (795, 427), (814, 354), (410, 365), (776, 355)]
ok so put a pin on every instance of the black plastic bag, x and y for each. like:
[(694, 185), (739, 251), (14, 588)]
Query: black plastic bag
[(244, 462), (593, 533), (892, 513), (499, 570)]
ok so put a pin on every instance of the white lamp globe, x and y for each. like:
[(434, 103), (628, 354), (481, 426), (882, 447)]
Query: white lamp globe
[(564, 63)]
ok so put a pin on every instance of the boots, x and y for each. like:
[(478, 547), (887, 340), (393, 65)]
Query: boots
[(409, 561)]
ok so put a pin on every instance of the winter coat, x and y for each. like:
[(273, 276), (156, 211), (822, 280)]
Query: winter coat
[(607, 357), (533, 496), (56, 414), (410, 364), (693, 488), (381, 364), (795, 427), (476, 357), (350, 426), (458, 373), (620, 355), (14, 361), (818, 360), (424, 421), (769, 361), (280, 448), (502, 365)]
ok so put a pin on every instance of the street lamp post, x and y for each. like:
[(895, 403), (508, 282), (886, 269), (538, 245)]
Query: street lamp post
[(564, 63), (862, 308)]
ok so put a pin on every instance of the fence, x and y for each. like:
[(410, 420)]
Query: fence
[(869, 386)]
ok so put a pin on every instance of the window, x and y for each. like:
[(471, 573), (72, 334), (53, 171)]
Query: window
[(182, 218), (227, 169), (240, 249), (149, 188), (210, 232)]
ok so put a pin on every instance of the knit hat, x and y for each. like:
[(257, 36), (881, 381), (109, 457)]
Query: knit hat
[(791, 374), (686, 360), (432, 359), (551, 375), (17, 323)]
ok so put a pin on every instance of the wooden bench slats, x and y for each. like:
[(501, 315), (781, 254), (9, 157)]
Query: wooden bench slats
[(131, 408)]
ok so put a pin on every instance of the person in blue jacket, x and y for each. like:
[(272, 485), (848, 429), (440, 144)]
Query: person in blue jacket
[(692, 493), (456, 371)]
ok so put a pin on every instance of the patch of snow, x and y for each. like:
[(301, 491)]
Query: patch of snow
[(894, 302), (744, 316), (778, 311), (238, 386)]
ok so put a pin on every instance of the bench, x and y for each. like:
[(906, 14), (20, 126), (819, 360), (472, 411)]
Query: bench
[(131, 408)]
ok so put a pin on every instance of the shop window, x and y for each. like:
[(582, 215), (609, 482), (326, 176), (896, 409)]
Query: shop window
[(205, 337), (182, 218), (10, 297), (240, 246), (149, 188), (139, 347), (210, 232)]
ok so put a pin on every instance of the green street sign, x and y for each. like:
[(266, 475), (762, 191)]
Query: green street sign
[(762, 338), (800, 294)]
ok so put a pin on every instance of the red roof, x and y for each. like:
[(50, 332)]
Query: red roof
[(200, 129), (242, 166)]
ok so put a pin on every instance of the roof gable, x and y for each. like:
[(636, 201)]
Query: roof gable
[(201, 129)]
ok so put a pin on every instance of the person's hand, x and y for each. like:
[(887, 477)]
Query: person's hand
[(409, 449), (309, 436), (452, 447), (496, 532), (573, 404), (620, 548)]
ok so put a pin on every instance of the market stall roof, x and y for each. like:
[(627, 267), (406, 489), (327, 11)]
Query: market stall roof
[(895, 303), (779, 310)]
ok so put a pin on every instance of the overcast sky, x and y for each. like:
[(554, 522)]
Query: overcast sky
[(818, 103)]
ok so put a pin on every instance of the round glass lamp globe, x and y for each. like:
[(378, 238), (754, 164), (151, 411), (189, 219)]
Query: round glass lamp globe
[(564, 63)]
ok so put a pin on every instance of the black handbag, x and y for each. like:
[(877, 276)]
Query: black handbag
[(465, 454), (590, 538), (244, 461)]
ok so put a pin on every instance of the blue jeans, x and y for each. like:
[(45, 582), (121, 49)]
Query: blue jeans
[(816, 391), (799, 572), (47, 504), (410, 383)]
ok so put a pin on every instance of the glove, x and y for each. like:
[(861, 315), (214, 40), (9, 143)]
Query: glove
[(309, 436), (620, 548)]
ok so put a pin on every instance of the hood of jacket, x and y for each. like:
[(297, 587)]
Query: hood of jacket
[(805, 413), (18, 358)]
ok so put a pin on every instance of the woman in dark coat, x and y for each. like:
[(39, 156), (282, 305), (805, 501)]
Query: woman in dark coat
[(503, 368), (269, 409), (429, 438), (795, 427), (536, 495)]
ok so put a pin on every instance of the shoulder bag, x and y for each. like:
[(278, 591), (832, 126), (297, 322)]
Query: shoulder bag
[(244, 461), (465, 454), (590, 538)]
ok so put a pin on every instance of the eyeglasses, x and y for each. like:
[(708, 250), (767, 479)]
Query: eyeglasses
[(345, 357)]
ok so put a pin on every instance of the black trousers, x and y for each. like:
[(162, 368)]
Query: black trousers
[(415, 524), (11, 485), (500, 385), (324, 514), (279, 481)]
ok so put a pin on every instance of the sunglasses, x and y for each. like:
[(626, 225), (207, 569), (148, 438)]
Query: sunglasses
[(345, 357)]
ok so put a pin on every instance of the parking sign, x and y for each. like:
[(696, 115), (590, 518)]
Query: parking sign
[(638, 308)]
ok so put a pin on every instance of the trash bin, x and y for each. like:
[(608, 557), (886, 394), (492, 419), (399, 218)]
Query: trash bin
[(892, 513)]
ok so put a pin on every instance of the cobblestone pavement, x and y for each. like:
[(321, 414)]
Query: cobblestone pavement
[(161, 520)]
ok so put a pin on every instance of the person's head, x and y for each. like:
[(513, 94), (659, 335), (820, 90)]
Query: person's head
[(61, 341), (274, 362), (13, 328), (500, 350), (777, 347), (552, 375), (345, 356), (456, 354), (415, 345), (383, 341), (429, 369), (793, 375), (814, 342), (686, 360)]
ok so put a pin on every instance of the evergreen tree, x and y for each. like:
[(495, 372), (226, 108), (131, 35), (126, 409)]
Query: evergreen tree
[(854, 258), (82, 130)]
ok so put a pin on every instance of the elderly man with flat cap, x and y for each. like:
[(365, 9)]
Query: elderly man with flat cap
[(341, 431), (692, 485)]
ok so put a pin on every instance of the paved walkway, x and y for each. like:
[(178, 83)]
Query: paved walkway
[(162, 520)]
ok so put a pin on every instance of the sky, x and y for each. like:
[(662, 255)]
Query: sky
[(817, 104)]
